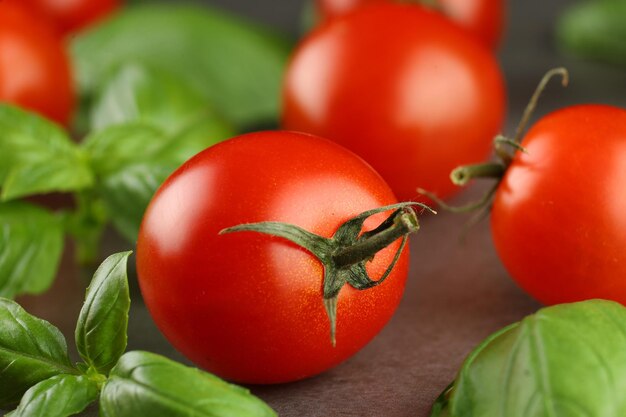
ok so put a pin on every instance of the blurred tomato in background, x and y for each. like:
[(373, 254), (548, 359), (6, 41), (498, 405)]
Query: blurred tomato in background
[(35, 71), (483, 18)]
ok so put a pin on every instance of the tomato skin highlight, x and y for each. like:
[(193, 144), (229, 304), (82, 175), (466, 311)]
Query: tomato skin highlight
[(558, 216), (248, 306), (35, 71), (482, 18), (71, 16), (403, 88)]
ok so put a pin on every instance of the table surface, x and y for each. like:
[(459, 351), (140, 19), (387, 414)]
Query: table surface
[(457, 293)]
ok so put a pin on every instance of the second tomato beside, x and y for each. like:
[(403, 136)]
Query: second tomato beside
[(402, 87)]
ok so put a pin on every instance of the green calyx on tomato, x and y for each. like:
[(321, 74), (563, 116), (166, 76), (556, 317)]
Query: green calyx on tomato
[(465, 173), (345, 254)]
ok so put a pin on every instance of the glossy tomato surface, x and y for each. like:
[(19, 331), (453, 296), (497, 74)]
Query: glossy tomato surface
[(34, 66), (403, 88), (248, 306), (558, 217), (483, 18), (70, 16)]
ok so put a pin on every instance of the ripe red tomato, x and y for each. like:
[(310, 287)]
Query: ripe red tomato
[(34, 67), (248, 306), (483, 18), (71, 16), (403, 88), (558, 216)]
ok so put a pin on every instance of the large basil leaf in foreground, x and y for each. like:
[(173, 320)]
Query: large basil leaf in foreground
[(564, 361), (31, 350), (31, 242), (145, 384), (235, 66)]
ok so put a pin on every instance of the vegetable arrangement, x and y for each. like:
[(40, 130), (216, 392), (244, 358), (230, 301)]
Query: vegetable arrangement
[(37, 375), (276, 255)]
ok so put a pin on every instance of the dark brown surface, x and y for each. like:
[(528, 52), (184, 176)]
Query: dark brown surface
[(457, 294)]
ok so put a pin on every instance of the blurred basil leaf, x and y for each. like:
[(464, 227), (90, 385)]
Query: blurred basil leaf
[(101, 332), (31, 350), (59, 396), (567, 360), (595, 30), (36, 156), (127, 193), (31, 243), (137, 93), (234, 65), (143, 383)]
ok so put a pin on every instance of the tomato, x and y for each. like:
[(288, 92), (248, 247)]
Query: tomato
[(34, 66), (483, 18), (403, 88), (248, 306), (70, 16), (558, 215)]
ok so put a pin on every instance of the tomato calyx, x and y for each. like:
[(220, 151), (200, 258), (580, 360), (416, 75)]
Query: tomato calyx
[(505, 149), (345, 254)]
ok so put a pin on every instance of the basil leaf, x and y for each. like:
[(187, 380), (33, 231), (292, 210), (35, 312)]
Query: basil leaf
[(31, 350), (36, 156), (236, 66), (564, 361), (127, 193), (594, 30), (140, 94), (31, 243), (116, 147), (101, 332), (59, 396), (143, 383)]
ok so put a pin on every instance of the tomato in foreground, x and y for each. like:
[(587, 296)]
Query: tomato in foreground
[(558, 218), (34, 67), (70, 16), (402, 87), (483, 18), (248, 306)]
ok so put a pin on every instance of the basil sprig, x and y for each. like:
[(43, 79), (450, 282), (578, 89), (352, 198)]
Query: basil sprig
[(563, 361), (147, 124), (34, 365)]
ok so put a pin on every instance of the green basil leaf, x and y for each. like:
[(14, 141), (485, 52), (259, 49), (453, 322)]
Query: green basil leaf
[(101, 332), (31, 350), (564, 361), (31, 244), (116, 147), (59, 396), (236, 66), (126, 195), (594, 30), (36, 156), (137, 93), (147, 384)]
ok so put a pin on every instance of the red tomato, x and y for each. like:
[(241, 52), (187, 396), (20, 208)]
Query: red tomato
[(248, 306), (71, 16), (34, 67), (483, 18), (558, 216), (403, 88)]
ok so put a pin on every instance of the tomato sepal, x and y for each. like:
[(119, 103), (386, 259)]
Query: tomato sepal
[(345, 254)]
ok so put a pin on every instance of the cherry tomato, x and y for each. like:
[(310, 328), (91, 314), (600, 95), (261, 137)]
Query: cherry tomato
[(558, 216), (403, 88), (71, 16), (34, 66), (483, 18), (248, 306)]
